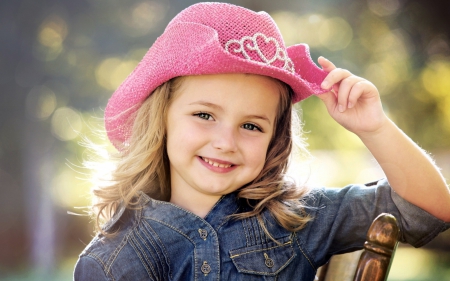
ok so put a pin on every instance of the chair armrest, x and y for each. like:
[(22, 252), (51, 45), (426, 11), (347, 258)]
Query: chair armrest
[(382, 240)]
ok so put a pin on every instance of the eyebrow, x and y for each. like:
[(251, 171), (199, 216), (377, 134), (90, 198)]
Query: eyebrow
[(218, 107), (263, 117), (208, 104)]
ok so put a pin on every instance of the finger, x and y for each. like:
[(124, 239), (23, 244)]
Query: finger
[(357, 91), (345, 89), (336, 76), (326, 64), (335, 89)]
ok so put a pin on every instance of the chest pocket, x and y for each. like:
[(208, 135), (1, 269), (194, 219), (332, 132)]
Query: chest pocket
[(266, 259)]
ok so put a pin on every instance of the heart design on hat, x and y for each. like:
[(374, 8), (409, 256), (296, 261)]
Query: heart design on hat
[(253, 45), (268, 41)]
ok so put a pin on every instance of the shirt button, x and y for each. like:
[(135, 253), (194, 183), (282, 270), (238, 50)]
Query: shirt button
[(205, 268), (268, 261), (203, 233)]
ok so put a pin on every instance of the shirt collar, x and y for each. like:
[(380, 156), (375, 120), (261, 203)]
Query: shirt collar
[(180, 218)]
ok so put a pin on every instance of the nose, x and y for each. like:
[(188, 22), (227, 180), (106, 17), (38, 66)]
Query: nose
[(225, 139)]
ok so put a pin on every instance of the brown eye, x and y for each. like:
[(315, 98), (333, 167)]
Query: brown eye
[(204, 115), (251, 127)]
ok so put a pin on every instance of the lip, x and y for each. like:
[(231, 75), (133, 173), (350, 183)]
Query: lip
[(217, 169)]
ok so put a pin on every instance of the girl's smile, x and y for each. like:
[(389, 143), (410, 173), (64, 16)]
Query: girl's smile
[(216, 165), (218, 131)]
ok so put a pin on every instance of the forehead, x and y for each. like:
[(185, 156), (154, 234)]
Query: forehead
[(247, 92), (214, 84)]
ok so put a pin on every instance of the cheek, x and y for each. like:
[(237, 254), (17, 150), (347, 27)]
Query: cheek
[(173, 143), (257, 152), (182, 136)]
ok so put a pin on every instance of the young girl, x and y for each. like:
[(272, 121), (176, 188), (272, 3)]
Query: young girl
[(203, 127)]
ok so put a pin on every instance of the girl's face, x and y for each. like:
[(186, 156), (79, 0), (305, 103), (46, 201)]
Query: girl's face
[(218, 131)]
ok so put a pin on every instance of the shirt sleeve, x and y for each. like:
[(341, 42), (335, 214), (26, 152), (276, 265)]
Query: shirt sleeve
[(417, 227), (342, 217)]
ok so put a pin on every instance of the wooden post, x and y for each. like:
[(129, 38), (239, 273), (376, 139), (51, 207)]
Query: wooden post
[(381, 242)]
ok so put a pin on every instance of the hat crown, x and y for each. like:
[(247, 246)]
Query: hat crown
[(230, 21), (242, 32)]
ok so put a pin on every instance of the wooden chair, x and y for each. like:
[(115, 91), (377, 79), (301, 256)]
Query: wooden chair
[(374, 259)]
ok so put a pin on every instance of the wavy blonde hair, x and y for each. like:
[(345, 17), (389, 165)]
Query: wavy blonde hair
[(144, 165)]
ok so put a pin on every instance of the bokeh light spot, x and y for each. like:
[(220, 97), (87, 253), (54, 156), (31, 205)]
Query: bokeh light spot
[(308, 33), (137, 54), (392, 42), (439, 45), (383, 7), (435, 78), (111, 72), (142, 17), (69, 189), (383, 75), (285, 21), (376, 74), (51, 35), (299, 29), (66, 123), (40, 102), (371, 30), (335, 34)]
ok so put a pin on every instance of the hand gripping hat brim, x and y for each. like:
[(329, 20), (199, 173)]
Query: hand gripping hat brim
[(212, 38)]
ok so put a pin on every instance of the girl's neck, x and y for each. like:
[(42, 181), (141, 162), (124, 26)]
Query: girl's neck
[(199, 205)]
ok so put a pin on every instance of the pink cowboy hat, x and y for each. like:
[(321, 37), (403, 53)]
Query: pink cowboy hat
[(212, 38)]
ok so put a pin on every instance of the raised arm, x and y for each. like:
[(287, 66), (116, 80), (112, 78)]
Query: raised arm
[(355, 104)]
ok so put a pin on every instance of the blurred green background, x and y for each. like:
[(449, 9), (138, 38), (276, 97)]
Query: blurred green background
[(60, 60)]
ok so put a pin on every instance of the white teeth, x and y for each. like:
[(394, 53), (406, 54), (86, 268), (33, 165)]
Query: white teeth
[(216, 164)]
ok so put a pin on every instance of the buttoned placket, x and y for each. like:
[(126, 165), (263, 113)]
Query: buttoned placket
[(201, 232), (207, 256)]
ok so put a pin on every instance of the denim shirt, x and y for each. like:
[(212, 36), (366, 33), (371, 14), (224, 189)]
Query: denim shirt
[(161, 241)]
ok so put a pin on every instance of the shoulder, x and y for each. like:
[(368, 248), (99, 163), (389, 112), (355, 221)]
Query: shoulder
[(94, 262), (100, 255), (106, 257)]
